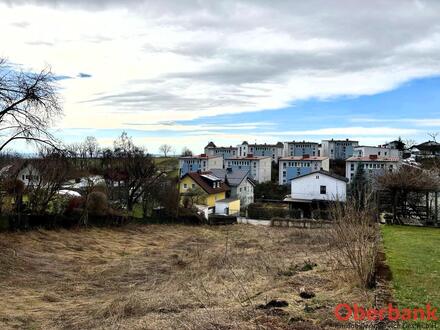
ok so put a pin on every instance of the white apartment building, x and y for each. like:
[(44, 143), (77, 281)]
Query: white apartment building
[(201, 163), (366, 151), (373, 165), (259, 167), (338, 149)]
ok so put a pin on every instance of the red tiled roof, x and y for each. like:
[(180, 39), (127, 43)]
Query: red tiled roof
[(248, 157), (202, 156), (369, 159), (205, 183), (304, 158)]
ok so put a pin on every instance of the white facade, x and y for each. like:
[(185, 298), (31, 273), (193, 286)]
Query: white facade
[(319, 186), (366, 151), (373, 166), (260, 168), (337, 149), (29, 175), (201, 163), (291, 167), (244, 192)]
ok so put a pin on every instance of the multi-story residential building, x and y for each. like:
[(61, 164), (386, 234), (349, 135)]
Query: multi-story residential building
[(275, 151), (240, 183), (212, 150), (372, 165), (201, 162), (366, 151), (338, 149), (259, 167), (293, 166), (295, 148)]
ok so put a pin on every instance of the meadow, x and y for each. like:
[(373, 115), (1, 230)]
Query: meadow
[(171, 277)]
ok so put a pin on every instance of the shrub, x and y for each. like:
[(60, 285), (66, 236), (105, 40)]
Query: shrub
[(97, 203), (354, 236)]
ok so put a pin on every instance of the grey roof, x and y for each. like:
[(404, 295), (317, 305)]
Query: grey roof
[(234, 178), (333, 175)]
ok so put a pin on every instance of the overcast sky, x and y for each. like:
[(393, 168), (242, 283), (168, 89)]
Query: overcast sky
[(184, 72)]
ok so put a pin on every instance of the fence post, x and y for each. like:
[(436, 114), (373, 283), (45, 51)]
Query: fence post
[(437, 220)]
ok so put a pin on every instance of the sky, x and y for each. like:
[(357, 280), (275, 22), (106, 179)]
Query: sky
[(185, 72)]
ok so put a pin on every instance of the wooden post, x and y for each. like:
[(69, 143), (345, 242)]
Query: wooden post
[(437, 220), (427, 206)]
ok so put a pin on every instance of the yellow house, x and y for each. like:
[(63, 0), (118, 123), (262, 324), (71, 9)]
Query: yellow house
[(202, 188)]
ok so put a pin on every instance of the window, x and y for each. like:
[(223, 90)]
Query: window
[(323, 190), (352, 167), (193, 185), (185, 186)]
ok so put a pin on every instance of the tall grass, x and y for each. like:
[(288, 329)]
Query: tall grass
[(354, 237)]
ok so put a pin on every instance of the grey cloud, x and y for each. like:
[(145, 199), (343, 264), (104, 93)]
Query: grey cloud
[(379, 35)]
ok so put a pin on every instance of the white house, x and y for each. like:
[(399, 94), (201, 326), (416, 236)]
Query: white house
[(259, 167), (240, 183), (320, 185)]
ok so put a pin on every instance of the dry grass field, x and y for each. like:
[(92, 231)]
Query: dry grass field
[(169, 277)]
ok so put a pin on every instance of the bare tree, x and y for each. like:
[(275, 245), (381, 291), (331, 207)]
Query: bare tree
[(433, 136), (28, 106), (48, 174), (130, 171), (91, 146), (186, 152), (165, 149), (409, 143)]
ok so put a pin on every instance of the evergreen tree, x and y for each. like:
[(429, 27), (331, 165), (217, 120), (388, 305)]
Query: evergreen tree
[(359, 186)]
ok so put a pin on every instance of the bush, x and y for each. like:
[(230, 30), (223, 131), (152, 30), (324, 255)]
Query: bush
[(262, 211), (354, 235), (97, 203), (271, 190)]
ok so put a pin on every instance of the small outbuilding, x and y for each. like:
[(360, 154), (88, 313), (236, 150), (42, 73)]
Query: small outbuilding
[(227, 206)]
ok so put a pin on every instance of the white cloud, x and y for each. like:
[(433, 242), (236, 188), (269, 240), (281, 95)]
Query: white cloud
[(156, 61)]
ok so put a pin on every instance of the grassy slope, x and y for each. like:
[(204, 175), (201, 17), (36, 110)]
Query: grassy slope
[(413, 253)]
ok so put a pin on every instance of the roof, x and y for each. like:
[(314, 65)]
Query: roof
[(265, 145), (304, 158), (248, 157), (202, 156), (346, 140), (234, 177), (377, 159), (227, 200), (203, 182), (429, 145), (211, 145), (301, 142), (376, 147), (13, 168), (333, 175)]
